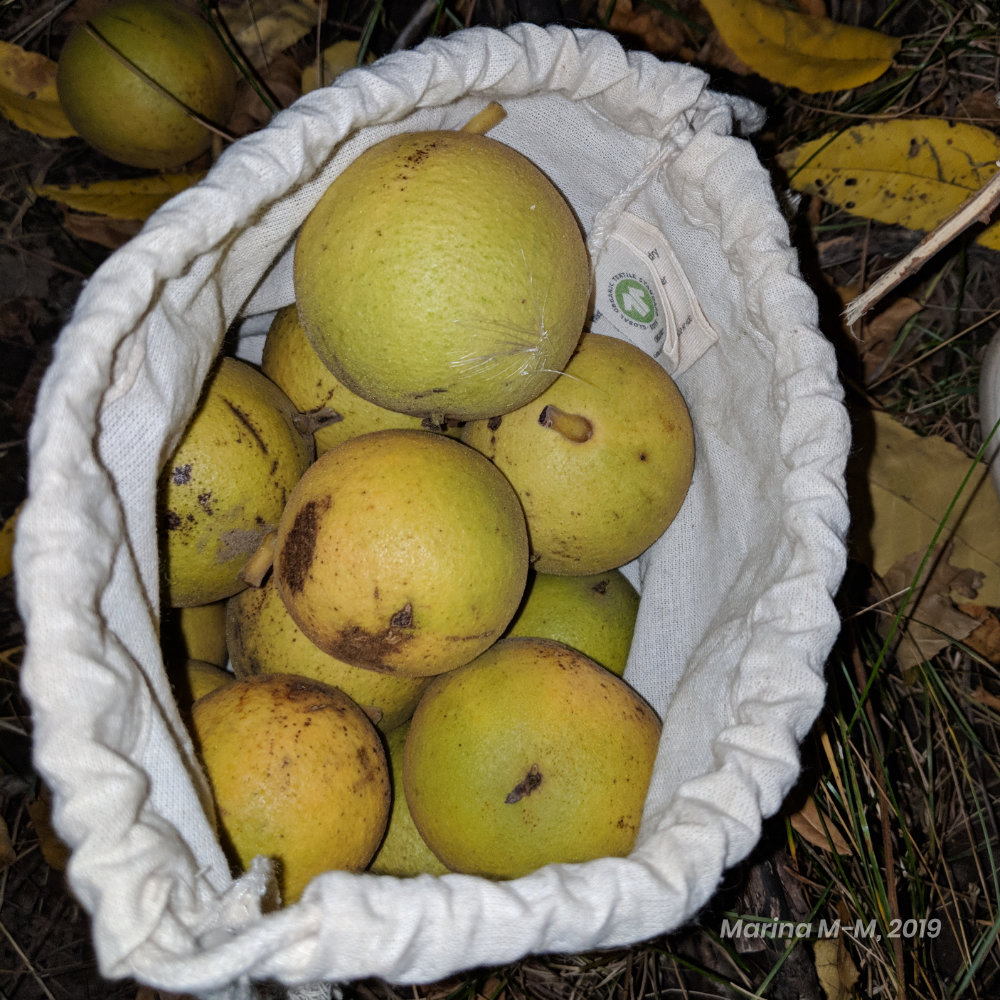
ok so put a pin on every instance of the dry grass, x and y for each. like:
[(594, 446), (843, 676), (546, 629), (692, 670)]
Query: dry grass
[(903, 767)]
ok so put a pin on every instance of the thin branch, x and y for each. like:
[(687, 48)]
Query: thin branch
[(978, 208)]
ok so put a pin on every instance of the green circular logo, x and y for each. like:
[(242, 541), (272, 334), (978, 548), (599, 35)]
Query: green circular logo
[(635, 300)]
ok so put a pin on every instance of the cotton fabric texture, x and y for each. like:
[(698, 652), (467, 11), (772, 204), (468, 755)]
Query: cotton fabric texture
[(736, 617)]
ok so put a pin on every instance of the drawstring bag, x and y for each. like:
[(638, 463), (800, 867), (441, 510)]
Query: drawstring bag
[(736, 615)]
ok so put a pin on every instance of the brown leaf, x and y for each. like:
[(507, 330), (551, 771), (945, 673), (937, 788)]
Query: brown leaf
[(282, 78), (984, 697), (808, 823), (149, 993), (715, 52), (654, 28), (492, 989), (932, 619), (55, 852), (985, 638), (265, 28), (7, 543), (980, 108), (7, 853), (105, 232), (879, 331)]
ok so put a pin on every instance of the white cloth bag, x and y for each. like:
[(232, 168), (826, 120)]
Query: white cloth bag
[(736, 616)]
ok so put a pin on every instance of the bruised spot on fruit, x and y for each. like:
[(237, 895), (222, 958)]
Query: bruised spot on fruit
[(173, 520), (525, 786), (419, 155), (300, 545), (403, 618), (181, 476), (355, 644), (642, 456), (311, 696), (245, 421), (601, 587), (494, 423), (205, 502), (368, 766)]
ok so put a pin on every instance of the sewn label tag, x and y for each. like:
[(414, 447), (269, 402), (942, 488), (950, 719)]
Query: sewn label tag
[(643, 295)]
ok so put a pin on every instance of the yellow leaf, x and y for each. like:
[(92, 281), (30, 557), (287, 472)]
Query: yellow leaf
[(812, 54), (28, 95), (910, 172), (835, 969), (902, 485), (136, 198), (337, 58)]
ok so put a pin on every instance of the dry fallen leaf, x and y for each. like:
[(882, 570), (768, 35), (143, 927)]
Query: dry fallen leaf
[(819, 830), (932, 621), (267, 27), (7, 853), (658, 31), (985, 638), (980, 107), (878, 331), (7, 544), (813, 54), (28, 95), (108, 233), (835, 968), (984, 697), (135, 198), (149, 993), (282, 80), (908, 172), (54, 850), (901, 487)]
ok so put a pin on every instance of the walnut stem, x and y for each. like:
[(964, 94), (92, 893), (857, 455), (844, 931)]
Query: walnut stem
[(259, 563), (572, 426), (482, 121)]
